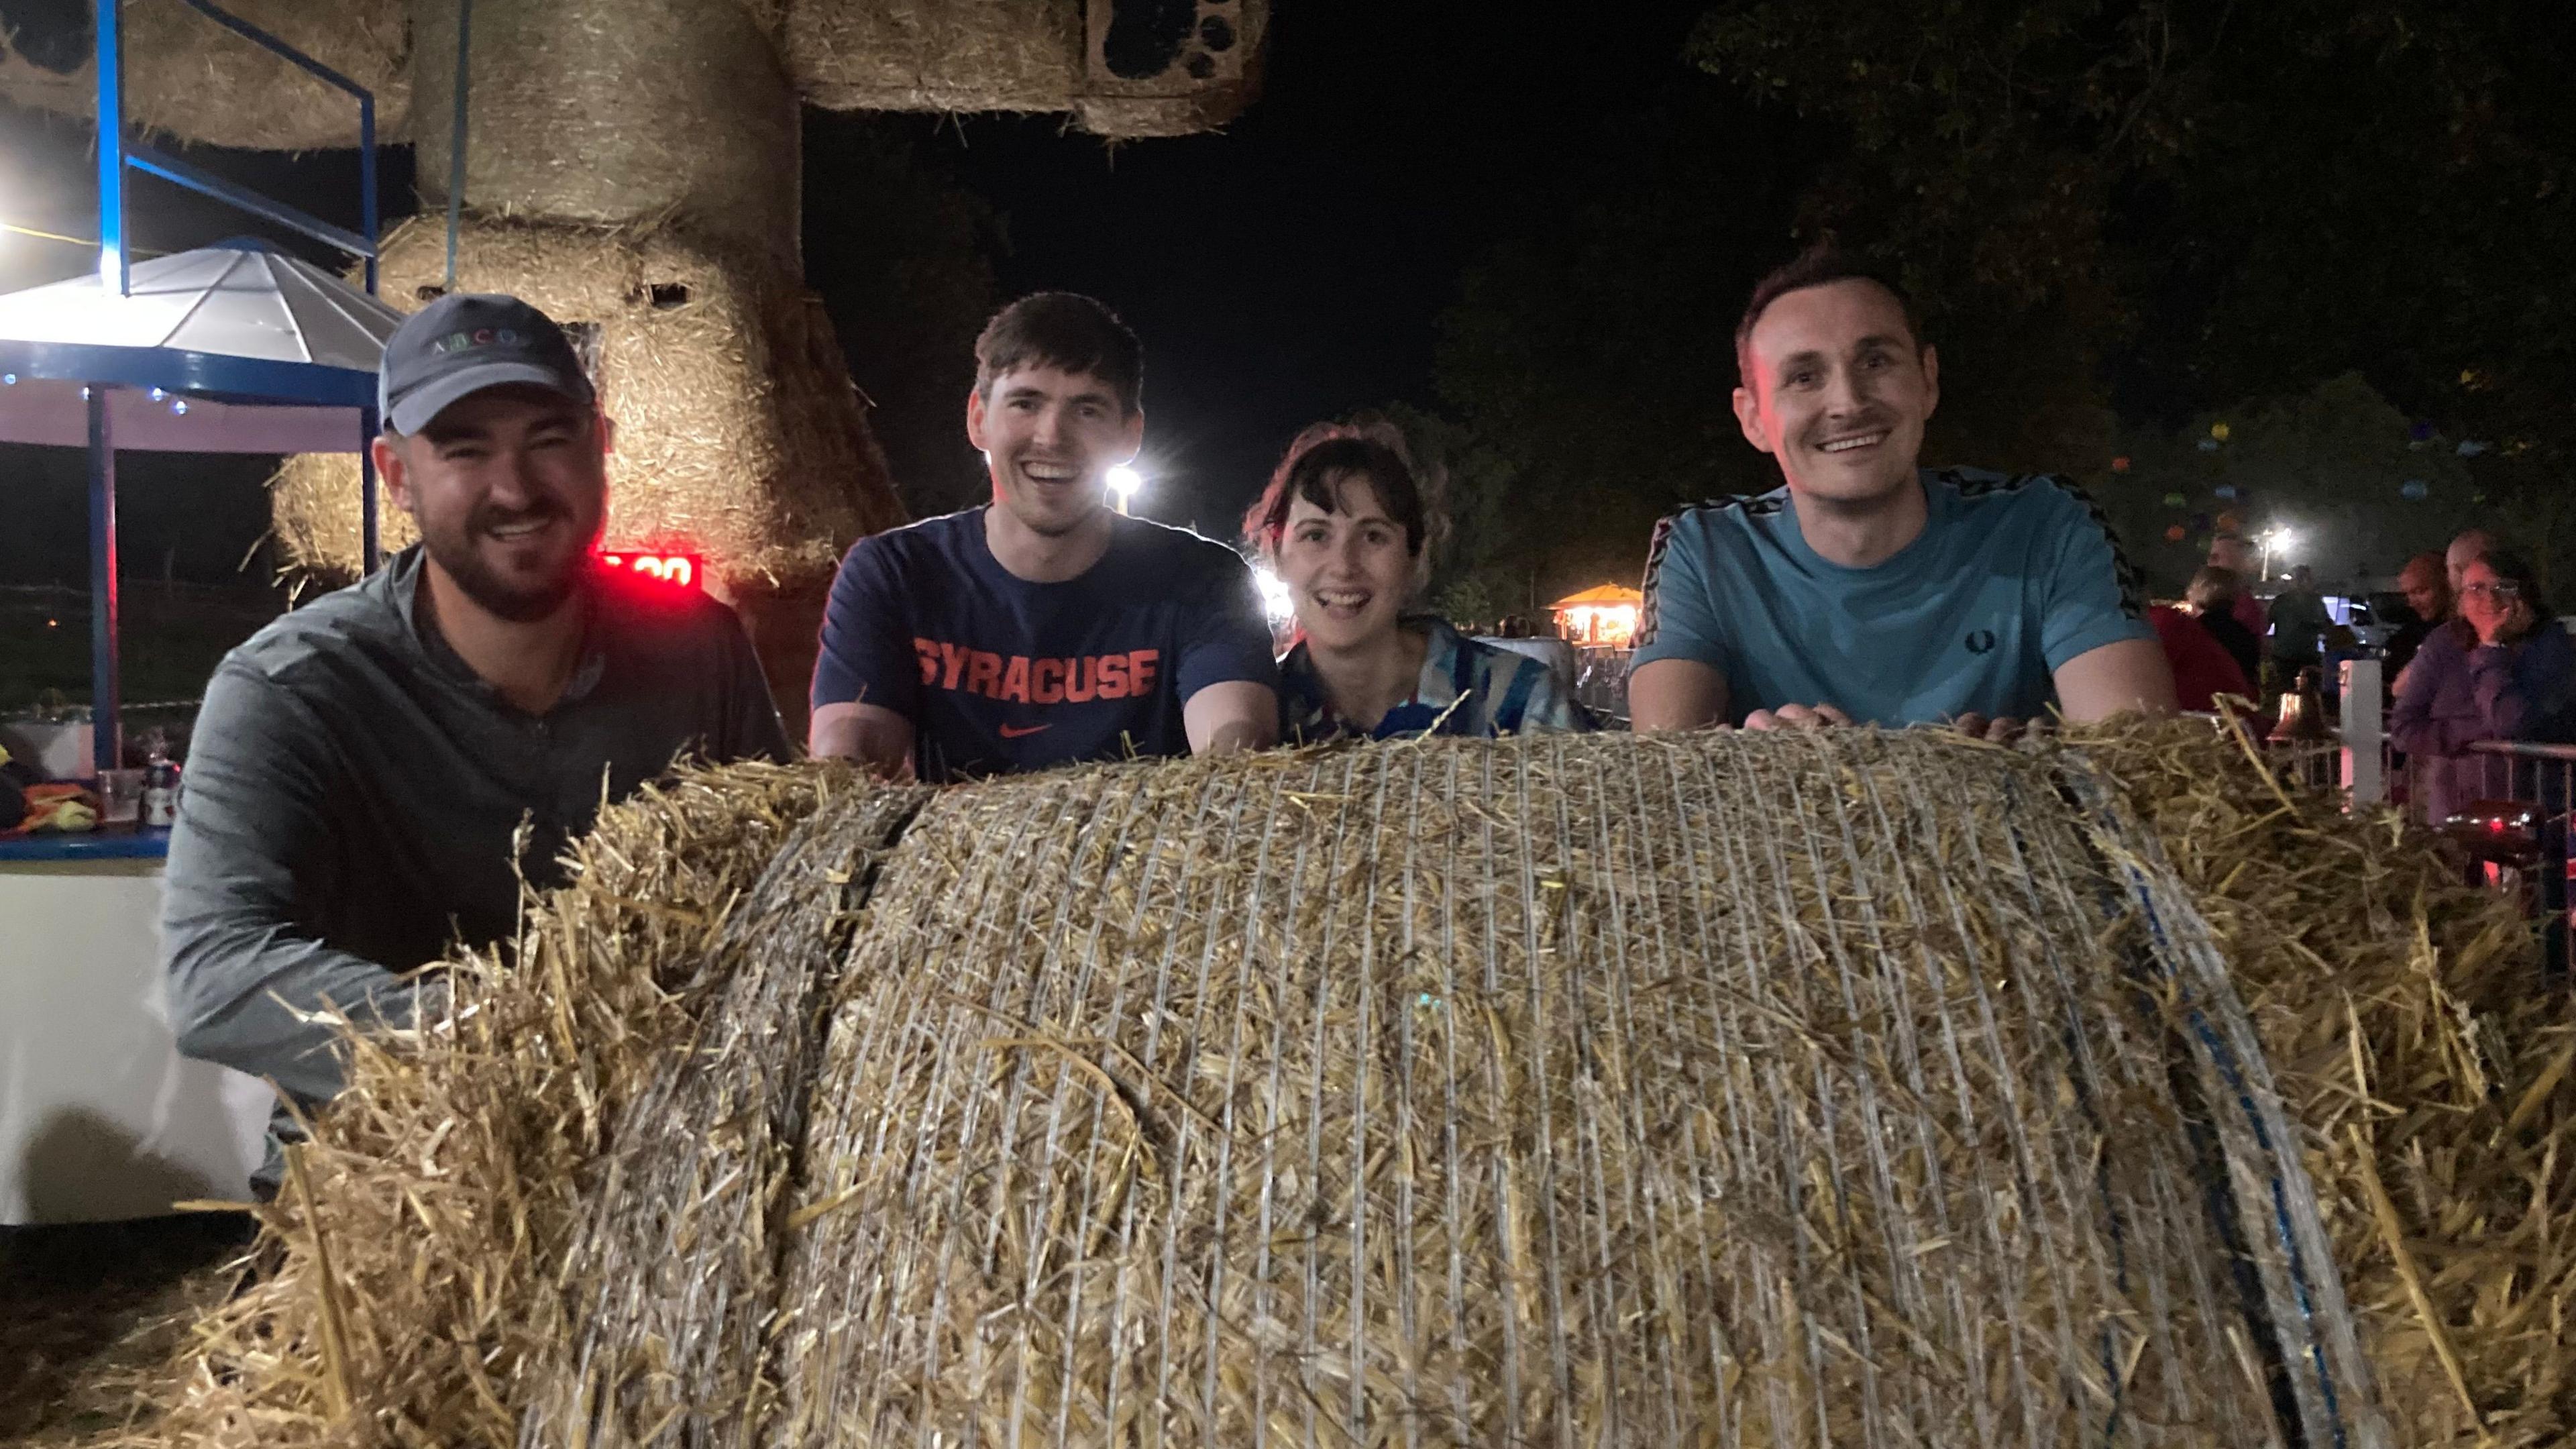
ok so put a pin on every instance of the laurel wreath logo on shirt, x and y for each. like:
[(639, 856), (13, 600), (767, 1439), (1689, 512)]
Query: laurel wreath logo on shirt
[(1981, 641)]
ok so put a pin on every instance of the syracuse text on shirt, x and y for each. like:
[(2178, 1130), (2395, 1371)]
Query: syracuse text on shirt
[(1016, 677)]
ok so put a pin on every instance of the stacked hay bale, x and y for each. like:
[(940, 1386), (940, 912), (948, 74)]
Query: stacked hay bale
[(1125, 68), (738, 436), (1803, 1090), (185, 75)]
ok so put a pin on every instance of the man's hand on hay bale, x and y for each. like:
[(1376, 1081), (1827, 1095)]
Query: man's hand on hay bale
[(1796, 716), (2003, 729)]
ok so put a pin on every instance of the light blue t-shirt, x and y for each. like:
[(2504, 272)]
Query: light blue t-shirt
[(2011, 578)]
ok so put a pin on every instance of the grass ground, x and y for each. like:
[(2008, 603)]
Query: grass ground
[(171, 638)]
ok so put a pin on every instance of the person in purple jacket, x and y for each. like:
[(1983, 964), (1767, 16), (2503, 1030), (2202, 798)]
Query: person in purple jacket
[(2506, 671)]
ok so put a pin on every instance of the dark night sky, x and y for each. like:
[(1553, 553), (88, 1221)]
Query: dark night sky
[(1291, 267), (1288, 269)]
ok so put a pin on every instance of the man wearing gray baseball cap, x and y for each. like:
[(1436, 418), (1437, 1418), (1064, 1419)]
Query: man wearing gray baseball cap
[(362, 767)]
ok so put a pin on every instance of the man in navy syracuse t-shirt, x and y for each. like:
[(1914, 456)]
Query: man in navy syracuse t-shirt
[(1043, 628)]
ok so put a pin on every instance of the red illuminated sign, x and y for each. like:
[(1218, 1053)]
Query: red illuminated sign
[(670, 568)]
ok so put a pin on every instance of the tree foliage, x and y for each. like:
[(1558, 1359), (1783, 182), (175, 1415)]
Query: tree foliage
[(2341, 223), (1584, 373), (2359, 486), (2226, 202)]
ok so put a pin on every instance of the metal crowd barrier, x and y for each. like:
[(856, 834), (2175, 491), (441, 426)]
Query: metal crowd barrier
[(2505, 803), (1601, 685)]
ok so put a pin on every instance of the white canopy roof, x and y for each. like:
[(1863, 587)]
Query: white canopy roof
[(222, 329)]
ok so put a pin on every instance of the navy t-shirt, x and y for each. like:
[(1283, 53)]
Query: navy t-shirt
[(1000, 675)]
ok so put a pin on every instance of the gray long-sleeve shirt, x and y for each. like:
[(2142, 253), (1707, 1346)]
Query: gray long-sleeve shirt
[(353, 790)]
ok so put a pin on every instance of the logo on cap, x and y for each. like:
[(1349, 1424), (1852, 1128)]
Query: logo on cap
[(479, 337)]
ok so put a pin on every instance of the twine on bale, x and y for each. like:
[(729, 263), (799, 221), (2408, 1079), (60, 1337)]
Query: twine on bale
[(2408, 1025), (1600, 1089), (1580, 1091)]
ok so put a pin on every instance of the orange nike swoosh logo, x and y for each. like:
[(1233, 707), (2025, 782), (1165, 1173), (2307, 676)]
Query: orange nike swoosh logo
[(1013, 732)]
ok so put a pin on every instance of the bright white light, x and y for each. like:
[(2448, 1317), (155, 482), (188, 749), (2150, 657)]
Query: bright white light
[(2276, 542), (1124, 481), (1274, 595)]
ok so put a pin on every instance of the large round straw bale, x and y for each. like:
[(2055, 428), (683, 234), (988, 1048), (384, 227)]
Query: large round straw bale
[(189, 77), (1715, 1089), (1125, 68), (613, 111), (1588, 1092), (739, 435)]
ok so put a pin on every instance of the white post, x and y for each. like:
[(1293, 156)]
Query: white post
[(2364, 781)]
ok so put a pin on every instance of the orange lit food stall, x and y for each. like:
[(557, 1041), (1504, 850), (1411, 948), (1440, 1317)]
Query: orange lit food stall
[(1599, 618)]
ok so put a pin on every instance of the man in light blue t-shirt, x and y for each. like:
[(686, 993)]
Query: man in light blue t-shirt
[(1869, 590)]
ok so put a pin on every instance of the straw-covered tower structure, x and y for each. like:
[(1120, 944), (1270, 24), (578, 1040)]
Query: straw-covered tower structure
[(633, 167)]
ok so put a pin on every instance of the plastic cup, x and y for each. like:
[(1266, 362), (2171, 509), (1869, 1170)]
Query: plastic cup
[(120, 797)]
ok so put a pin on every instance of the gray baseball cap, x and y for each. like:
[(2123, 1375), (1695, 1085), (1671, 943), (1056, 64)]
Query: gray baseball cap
[(468, 341)]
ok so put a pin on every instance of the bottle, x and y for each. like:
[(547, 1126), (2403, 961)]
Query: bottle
[(2303, 714), (160, 787)]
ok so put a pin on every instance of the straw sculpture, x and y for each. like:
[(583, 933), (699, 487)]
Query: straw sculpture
[(186, 76), (739, 435), (635, 165), (1842, 1089), (1122, 68), (1125, 70), (611, 111)]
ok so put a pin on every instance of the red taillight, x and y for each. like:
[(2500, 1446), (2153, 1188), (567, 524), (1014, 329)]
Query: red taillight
[(671, 568)]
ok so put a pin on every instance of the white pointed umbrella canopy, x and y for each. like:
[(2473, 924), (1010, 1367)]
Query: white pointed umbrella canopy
[(233, 348)]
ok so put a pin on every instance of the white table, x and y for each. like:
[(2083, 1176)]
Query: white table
[(100, 1117)]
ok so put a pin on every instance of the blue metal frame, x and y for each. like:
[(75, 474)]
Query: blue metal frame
[(111, 148), (117, 844), (105, 727), (211, 375), (103, 369), (456, 134), (115, 153), (171, 168)]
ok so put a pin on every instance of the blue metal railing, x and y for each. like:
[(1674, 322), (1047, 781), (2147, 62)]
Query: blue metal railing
[(115, 153)]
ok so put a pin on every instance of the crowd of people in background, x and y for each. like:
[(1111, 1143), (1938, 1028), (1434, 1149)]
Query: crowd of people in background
[(2500, 668), (2479, 656)]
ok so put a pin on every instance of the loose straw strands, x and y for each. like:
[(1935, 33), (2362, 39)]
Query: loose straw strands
[(1739, 1090), (452, 1179), (2407, 1024)]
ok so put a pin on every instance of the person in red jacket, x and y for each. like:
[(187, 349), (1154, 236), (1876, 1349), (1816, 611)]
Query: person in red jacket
[(2202, 667)]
